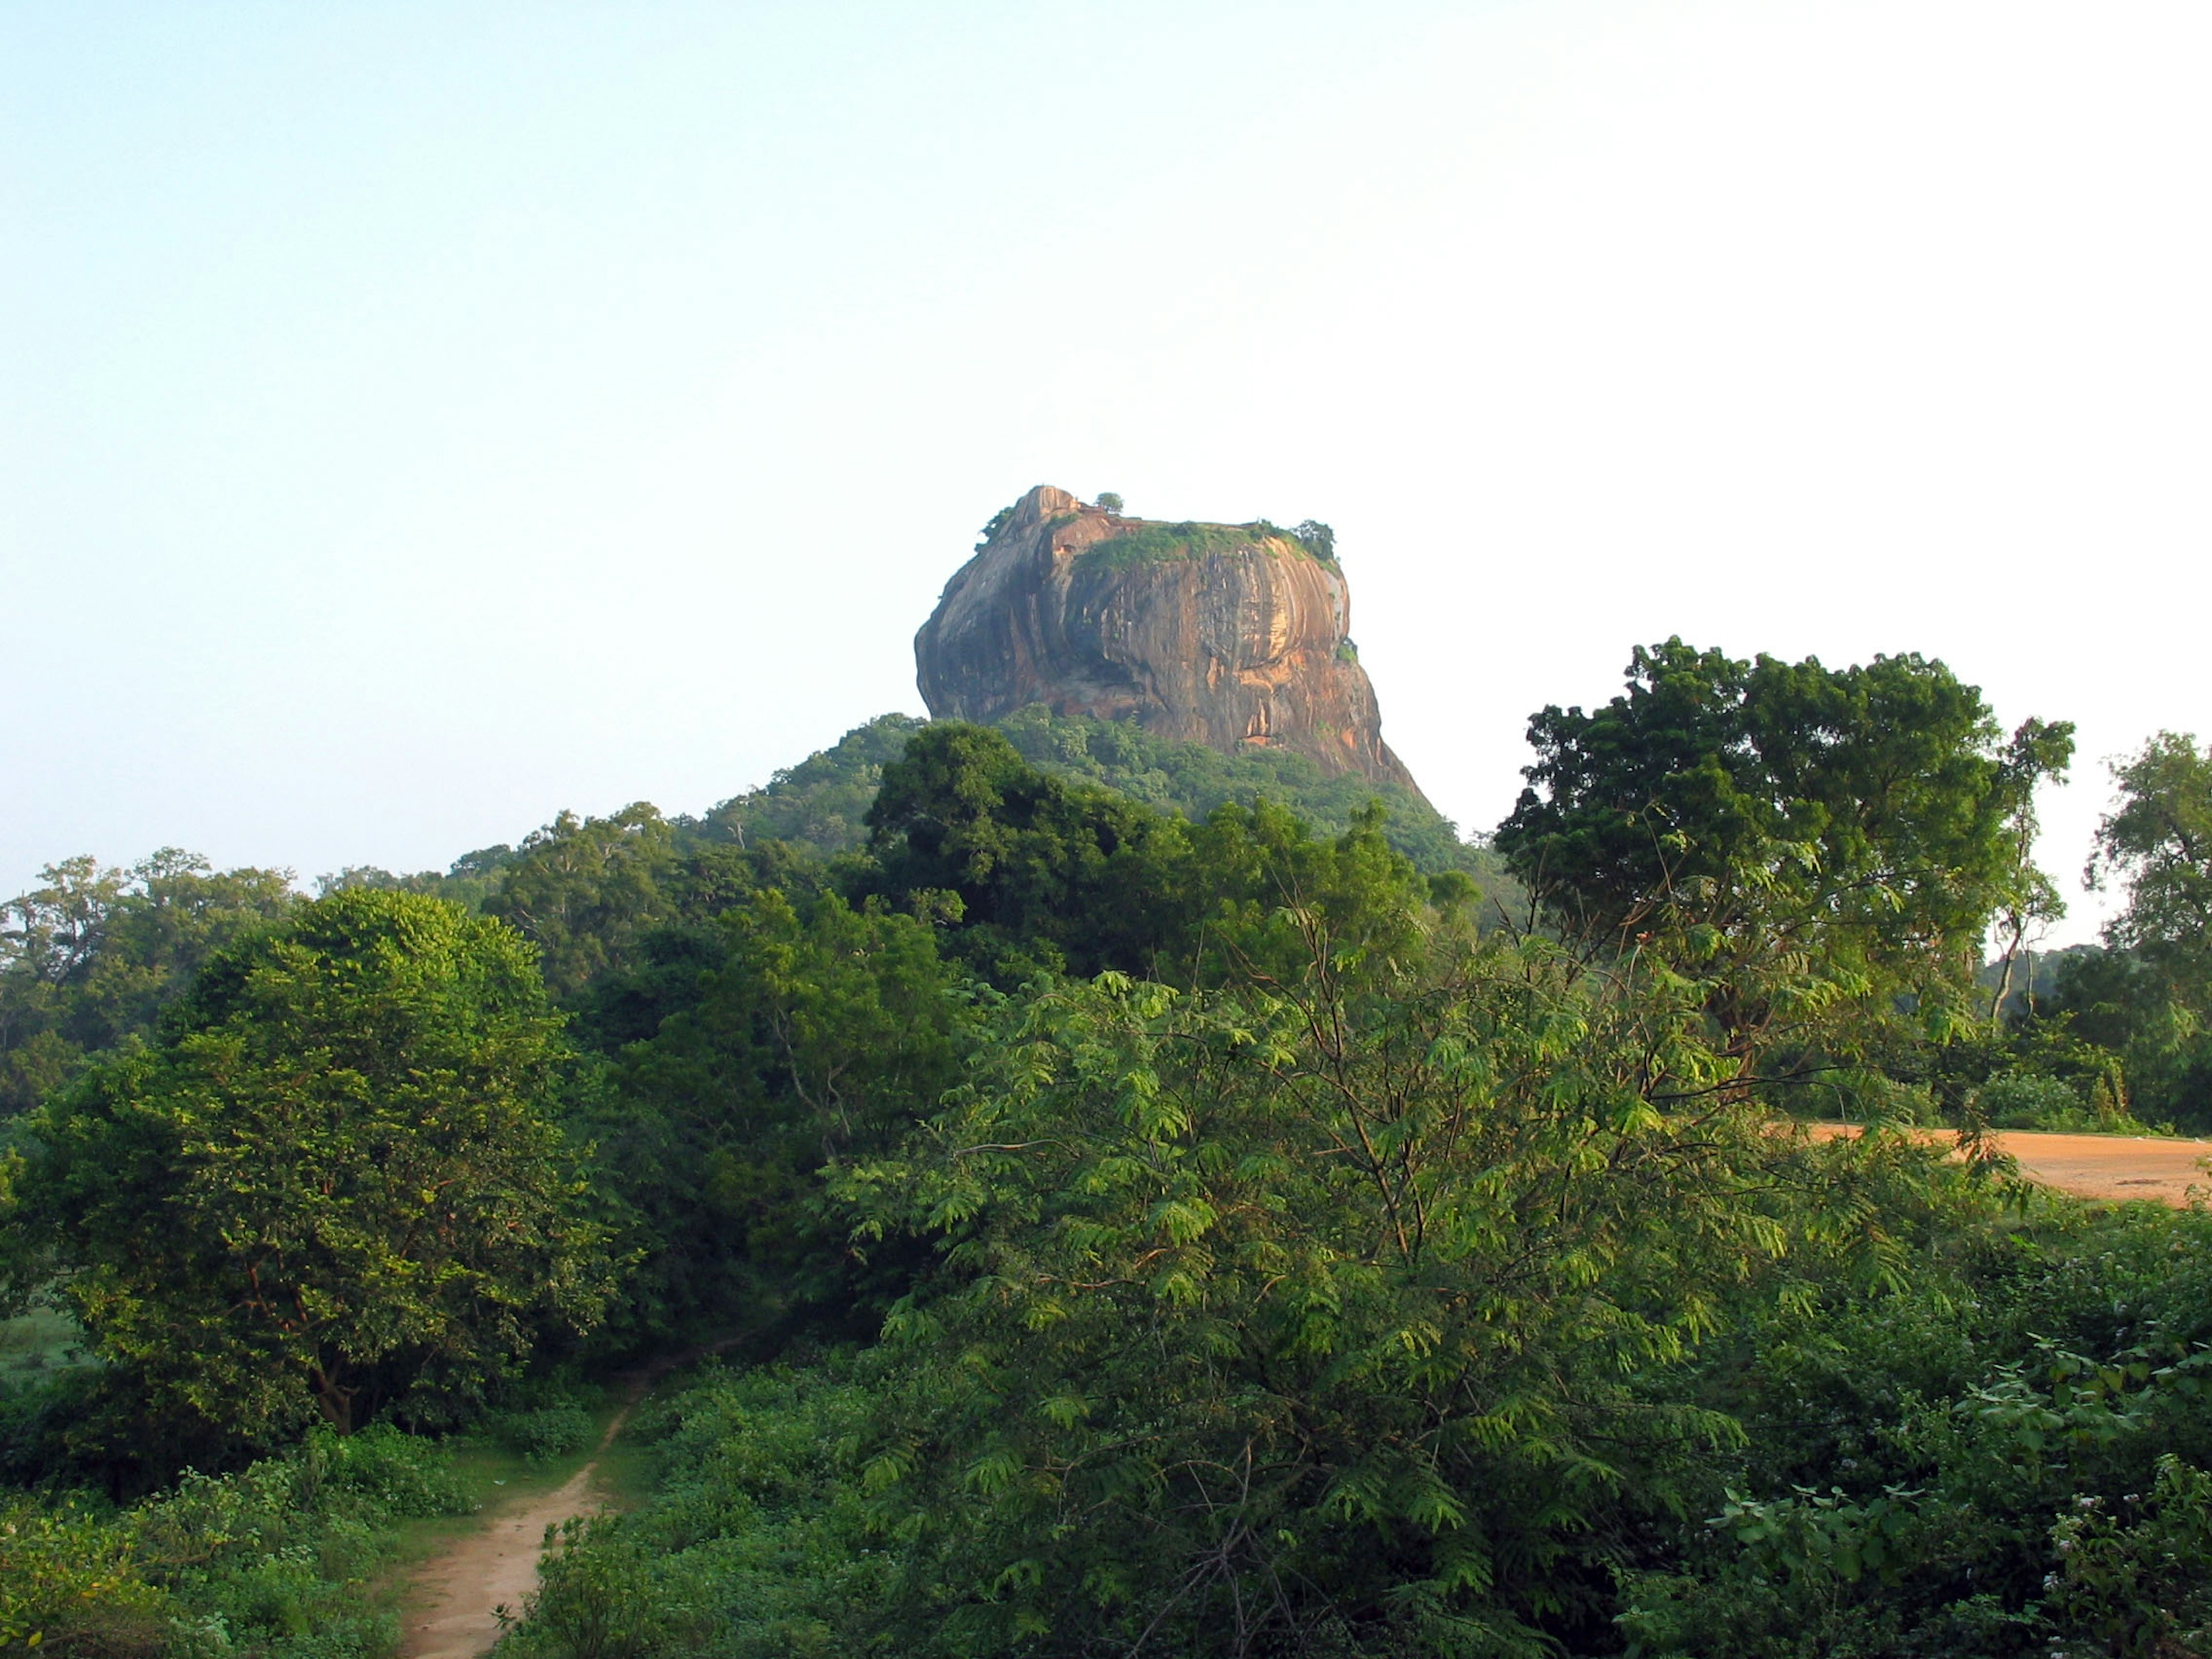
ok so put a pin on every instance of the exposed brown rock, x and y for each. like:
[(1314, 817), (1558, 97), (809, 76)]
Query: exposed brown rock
[(1222, 635)]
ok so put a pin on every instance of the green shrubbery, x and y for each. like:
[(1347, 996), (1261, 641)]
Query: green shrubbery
[(2027, 1100), (1181, 1231), (273, 1561)]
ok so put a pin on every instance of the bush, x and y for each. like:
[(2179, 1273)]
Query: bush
[(270, 1561), (543, 1433), (71, 1584), (2026, 1100)]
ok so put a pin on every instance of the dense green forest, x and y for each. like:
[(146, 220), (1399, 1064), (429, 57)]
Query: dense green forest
[(1154, 1202)]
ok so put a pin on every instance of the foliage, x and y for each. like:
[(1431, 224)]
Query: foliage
[(88, 960), (1193, 779), (823, 802), (755, 1544), (588, 892), (2148, 996), (1809, 846), (1027, 873), (2157, 841), (998, 521), (1110, 500), (1317, 538), (2133, 1010), (1039, 873), (71, 1584), (2032, 1100), (1311, 1316), (1143, 541), (333, 1183), (271, 1561), (818, 1031), (1921, 1469)]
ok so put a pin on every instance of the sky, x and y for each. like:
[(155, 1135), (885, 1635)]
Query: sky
[(416, 419)]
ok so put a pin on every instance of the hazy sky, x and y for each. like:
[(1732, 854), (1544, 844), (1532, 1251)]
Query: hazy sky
[(416, 419)]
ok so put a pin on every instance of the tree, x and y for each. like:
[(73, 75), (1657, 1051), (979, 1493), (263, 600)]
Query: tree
[(1046, 874), (1327, 1319), (88, 960), (1110, 500), (333, 1180), (2157, 841), (1809, 845), (815, 1032), (1317, 538), (583, 890)]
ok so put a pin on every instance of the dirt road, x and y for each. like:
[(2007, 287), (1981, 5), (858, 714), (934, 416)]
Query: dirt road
[(2100, 1166)]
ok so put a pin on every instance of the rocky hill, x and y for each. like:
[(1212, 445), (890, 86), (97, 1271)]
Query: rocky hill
[(1230, 635)]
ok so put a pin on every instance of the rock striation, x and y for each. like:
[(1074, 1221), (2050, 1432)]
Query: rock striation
[(1225, 634)]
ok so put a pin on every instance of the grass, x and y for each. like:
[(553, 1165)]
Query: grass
[(38, 1344), (1153, 542)]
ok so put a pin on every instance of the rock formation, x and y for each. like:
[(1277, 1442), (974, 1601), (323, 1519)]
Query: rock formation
[(1223, 635)]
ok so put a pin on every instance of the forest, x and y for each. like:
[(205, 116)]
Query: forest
[(1146, 1201)]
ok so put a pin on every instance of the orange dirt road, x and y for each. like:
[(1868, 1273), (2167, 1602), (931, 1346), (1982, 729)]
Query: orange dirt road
[(2099, 1166)]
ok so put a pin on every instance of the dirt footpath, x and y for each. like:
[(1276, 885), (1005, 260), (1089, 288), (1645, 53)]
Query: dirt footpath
[(453, 1601), (2099, 1166), (453, 1598)]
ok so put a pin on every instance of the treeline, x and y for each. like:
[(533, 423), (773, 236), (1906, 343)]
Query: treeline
[(1161, 1221)]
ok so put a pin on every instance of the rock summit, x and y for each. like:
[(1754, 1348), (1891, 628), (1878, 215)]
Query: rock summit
[(1230, 635)]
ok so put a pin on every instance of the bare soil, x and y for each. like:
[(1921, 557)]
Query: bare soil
[(454, 1598), (453, 1601), (2099, 1166)]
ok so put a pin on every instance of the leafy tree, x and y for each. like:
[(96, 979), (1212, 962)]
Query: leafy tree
[(999, 520), (587, 892), (1314, 1318), (1029, 873), (817, 1032), (823, 802), (1110, 500), (1192, 780), (583, 890), (88, 960), (2157, 841), (1042, 873), (335, 1178), (1809, 845), (1317, 538)]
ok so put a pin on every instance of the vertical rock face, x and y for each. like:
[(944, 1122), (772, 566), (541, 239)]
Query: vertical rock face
[(1223, 635)]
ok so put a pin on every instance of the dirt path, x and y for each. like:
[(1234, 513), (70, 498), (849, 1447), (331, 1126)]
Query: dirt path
[(453, 1598), (2099, 1166)]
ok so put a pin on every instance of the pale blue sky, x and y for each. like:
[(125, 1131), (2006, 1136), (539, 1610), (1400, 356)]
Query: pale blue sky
[(416, 419)]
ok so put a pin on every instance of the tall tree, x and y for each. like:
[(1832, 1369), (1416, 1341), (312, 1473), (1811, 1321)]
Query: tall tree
[(1806, 843), (2157, 843), (816, 1032), (88, 960), (334, 1179)]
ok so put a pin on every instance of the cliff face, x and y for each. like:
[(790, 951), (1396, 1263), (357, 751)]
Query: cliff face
[(1221, 635)]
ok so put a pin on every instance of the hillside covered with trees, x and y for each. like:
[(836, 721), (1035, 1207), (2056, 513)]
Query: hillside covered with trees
[(1155, 1201)]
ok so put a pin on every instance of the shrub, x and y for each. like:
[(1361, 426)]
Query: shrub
[(542, 1433), (2026, 1100), (71, 1584)]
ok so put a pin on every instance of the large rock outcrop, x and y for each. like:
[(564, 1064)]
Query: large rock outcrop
[(1225, 634)]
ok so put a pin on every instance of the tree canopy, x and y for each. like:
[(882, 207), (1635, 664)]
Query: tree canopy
[(333, 1182), (1805, 842)]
